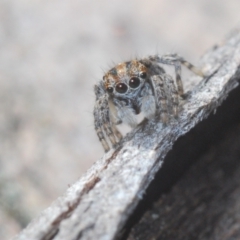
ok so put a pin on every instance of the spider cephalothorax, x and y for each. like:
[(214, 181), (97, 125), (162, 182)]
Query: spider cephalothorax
[(133, 87)]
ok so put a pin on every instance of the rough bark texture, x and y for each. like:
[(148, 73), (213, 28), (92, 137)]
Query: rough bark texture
[(99, 205), (205, 203)]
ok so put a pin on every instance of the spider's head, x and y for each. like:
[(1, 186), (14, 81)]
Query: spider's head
[(125, 79)]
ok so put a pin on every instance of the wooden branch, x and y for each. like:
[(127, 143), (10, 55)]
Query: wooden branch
[(204, 203), (98, 205)]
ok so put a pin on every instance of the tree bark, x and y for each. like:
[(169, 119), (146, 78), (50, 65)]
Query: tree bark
[(101, 204), (205, 203)]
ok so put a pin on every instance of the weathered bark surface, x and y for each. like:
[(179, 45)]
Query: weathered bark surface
[(99, 204), (205, 203)]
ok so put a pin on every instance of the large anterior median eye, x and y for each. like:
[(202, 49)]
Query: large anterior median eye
[(134, 82), (121, 88)]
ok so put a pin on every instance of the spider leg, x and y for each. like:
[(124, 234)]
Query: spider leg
[(116, 132), (114, 119), (176, 61), (172, 93), (174, 57), (98, 123), (103, 126), (178, 72), (101, 137), (157, 82)]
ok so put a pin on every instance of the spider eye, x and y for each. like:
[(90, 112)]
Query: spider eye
[(134, 82), (143, 75), (110, 89), (121, 88)]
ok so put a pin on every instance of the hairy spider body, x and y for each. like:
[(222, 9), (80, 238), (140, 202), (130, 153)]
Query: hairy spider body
[(137, 86)]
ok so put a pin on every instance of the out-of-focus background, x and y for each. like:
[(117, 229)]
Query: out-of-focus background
[(51, 55)]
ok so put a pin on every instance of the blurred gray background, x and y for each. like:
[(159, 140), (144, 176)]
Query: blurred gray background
[(51, 55)]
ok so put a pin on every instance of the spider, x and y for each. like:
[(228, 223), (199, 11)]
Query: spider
[(137, 86)]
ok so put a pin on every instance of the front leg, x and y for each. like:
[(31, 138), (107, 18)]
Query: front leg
[(173, 95), (166, 96), (160, 96), (105, 129)]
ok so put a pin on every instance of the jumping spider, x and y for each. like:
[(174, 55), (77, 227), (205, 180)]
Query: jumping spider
[(137, 86)]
